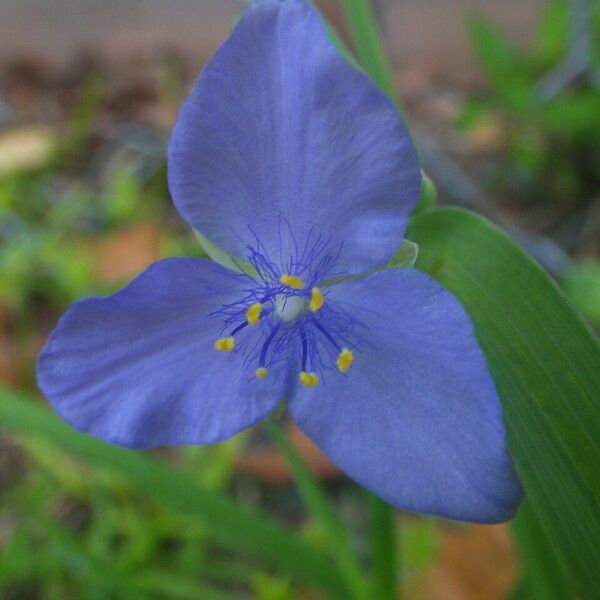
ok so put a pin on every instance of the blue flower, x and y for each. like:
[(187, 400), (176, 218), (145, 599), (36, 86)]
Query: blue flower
[(288, 157)]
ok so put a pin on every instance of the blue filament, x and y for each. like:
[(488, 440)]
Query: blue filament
[(304, 343), (239, 328), (263, 353), (327, 335), (318, 337)]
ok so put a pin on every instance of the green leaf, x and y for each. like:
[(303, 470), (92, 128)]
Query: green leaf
[(74, 141), (502, 63), (582, 284), (544, 576), (499, 57), (367, 44), (546, 364), (122, 199), (382, 538), (420, 544), (339, 43), (371, 54), (231, 525), (574, 115), (551, 40)]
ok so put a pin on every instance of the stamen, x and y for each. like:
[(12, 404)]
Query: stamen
[(239, 328), (253, 313), (226, 344), (308, 379), (292, 281), (284, 298), (345, 360), (304, 348), (263, 353), (327, 335), (316, 300)]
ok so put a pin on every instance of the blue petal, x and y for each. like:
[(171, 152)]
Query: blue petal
[(281, 134), (138, 368), (417, 418)]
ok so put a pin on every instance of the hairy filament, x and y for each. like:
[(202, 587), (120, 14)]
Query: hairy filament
[(265, 348)]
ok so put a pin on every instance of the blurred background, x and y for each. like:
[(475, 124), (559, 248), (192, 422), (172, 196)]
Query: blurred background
[(502, 98)]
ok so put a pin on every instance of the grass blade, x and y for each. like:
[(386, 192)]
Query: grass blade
[(382, 538), (544, 576), (361, 24), (546, 364)]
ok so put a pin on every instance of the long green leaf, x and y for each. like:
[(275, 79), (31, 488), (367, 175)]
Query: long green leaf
[(506, 68), (224, 520), (367, 44), (382, 538), (546, 364), (543, 575)]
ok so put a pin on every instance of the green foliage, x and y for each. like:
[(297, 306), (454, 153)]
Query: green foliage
[(74, 144), (76, 536), (367, 44), (190, 501), (546, 364), (501, 61), (420, 540), (544, 576), (48, 230), (122, 200), (36, 256), (551, 144), (582, 284), (383, 542), (267, 588), (335, 532), (551, 41)]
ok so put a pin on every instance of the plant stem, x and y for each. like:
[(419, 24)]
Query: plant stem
[(336, 533), (382, 538)]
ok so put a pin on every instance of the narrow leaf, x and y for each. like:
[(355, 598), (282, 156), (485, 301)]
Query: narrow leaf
[(367, 44), (383, 548), (546, 364), (543, 575)]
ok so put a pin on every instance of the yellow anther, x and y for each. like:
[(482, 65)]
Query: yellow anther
[(316, 300), (308, 379), (345, 360), (226, 344), (253, 313), (261, 372), (292, 281)]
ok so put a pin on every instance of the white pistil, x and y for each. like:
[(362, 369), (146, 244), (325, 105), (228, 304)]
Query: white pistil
[(289, 308)]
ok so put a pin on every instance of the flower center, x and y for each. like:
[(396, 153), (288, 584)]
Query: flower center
[(288, 310)]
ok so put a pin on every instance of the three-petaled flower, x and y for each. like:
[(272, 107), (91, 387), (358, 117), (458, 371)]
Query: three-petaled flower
[(289, 158)]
